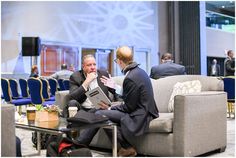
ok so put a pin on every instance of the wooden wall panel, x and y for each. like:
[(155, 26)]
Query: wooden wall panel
[(52, 57)]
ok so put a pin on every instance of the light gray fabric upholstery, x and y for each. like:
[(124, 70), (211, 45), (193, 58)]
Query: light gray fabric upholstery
[(62, 98), (8, 137), (199, 123), (164, 123), (197, 117)]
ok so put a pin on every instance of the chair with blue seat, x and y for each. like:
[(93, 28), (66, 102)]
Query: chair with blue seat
[(24, 88), (36, 92), (66, 84), (61, 85), (229, 87), (5, 84), (53, 85), (14, 89), (45, 91)]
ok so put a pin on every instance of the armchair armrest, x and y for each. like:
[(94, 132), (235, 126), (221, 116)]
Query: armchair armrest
[(62, 98), (8, 137), (199, 123)]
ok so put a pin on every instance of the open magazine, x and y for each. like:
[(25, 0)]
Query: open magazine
[(96, 95)]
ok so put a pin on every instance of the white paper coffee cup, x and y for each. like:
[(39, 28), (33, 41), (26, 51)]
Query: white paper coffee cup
[(72, 111)]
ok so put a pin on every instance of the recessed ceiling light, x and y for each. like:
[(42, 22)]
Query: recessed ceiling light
[(222, 6)]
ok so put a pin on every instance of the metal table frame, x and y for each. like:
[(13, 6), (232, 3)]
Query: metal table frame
[(61, 131)]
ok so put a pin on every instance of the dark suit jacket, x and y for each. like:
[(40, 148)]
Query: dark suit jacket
[(139, 104), (167, 69), (230, 67), (77, 91)]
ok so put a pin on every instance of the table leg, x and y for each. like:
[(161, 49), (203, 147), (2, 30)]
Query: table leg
[(114, 141), (39, 143)]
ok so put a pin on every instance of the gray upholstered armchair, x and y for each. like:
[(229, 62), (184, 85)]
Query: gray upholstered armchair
[(197, 125)]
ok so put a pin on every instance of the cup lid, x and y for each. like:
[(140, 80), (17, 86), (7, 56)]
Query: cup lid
[(73, 108), (31, 108)]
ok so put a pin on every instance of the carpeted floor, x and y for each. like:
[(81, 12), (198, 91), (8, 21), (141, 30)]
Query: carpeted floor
[(27, 146)]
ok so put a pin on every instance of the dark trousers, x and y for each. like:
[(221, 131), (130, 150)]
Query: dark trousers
[(18, 147), (114, 115)]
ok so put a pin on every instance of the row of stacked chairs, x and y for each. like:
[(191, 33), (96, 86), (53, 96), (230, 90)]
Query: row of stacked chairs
[(33, 91)]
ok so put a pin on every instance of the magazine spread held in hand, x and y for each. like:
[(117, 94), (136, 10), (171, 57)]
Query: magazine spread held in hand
[(96, 96)]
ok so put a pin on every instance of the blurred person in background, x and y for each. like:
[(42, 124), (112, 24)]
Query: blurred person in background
[(63, 73), (214, 68), (34, 71), (166, 68), (229, 64)]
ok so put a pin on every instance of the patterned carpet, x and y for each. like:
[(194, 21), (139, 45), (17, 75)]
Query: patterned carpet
[(27, 145)]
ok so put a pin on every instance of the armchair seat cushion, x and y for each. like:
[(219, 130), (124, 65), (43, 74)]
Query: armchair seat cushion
[(162, 124)]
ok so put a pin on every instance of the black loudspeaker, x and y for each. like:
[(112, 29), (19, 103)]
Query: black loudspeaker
[(31, 46)]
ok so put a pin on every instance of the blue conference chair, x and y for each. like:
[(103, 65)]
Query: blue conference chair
[(229, 87), (61, 85), (46, 94), (53, 86), (14, 89), (36, 92), (7, 95), (24, 88), (66, 84)]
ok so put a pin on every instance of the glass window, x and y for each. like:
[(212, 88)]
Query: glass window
[(220, 21)]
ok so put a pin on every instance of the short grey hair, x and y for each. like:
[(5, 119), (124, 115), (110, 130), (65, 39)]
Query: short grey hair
[(87, 56)]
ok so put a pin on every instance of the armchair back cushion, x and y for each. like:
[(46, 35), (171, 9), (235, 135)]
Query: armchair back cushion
[(163, 87), (183, 88)]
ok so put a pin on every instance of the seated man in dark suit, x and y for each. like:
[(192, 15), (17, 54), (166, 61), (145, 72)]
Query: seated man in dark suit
[(84, 80), (167, 68)]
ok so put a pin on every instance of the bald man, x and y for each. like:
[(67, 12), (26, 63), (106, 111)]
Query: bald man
[(138, 108)]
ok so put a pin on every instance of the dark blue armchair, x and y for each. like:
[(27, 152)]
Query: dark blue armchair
[(36, 92), (53, 85), (24, 88), (7, 95)]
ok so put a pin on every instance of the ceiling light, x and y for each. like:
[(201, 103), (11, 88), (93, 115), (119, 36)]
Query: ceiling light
[(222, 6)]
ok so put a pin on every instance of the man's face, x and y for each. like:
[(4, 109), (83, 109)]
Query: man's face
[(89, 65), (36, 71), (231, 55)]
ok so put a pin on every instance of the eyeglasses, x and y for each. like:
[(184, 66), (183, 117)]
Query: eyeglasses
[(115, 60)]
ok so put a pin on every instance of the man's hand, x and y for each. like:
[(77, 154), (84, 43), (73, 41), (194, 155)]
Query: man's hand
[(89, 78), (103, 105), (108, 81)]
